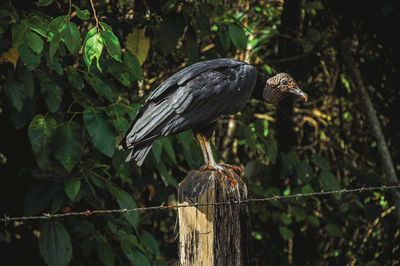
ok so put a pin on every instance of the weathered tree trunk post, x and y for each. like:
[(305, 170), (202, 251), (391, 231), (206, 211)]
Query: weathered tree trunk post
[(213, 234)]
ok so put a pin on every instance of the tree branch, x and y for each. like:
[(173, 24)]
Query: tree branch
[(372, 121)]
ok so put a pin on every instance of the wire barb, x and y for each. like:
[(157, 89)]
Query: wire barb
[(8, 219)]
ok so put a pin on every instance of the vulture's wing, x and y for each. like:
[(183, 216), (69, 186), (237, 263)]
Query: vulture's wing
[(195, 96)]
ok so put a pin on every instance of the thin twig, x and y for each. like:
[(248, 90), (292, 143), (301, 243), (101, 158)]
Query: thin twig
[(95, 16), (45, 216)]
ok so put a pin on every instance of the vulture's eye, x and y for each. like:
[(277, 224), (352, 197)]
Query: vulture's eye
[(284, 82)]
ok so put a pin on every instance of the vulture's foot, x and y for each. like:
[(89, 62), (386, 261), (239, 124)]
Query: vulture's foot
[(222, 171), (237, 169)]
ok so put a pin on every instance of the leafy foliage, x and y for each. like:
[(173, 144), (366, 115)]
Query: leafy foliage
[(72, 83)]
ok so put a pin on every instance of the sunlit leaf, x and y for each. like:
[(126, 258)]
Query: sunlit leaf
[(55, 244), (138, 44), (93, 47), (112, 44), (11, 55)]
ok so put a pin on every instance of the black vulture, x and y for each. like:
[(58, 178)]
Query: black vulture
[(195, 97)]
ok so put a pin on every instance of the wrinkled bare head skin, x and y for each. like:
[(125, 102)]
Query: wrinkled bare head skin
[(279, 86)]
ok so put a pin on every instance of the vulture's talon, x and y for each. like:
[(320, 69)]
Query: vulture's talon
[(233, 167), (222, 171)]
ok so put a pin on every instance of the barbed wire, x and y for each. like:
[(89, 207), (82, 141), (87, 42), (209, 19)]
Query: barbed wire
[(46, 216)]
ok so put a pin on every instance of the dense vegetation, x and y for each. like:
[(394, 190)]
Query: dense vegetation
[(74, 73)]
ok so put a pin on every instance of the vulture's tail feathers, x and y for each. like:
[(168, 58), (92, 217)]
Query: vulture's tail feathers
[(139, 153)]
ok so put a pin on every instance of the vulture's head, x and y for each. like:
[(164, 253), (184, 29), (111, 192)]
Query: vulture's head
[(280, 86)]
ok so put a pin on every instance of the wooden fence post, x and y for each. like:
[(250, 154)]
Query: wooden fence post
[(213, 234)]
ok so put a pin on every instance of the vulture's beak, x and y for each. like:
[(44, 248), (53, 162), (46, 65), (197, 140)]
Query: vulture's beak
[(297, 91)]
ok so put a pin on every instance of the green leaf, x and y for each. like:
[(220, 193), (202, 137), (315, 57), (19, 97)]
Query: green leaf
[(304, 171), (44, 2), (286, 233), (133, 65), (100, 87), (41, 130), (157, 151), (298, 213), (82, 14), (51, 91), (225, 39), (38, 199), (55, 244), (68, 149), (120, 72), (165, 175), (34, 41), (125, 201), (112, 44), (28, 56), (72, 38), (106, 254), (56, 28), (116, 112), (105, 26), (27, 79), (136, 257), (38, 24), (314, 35), (100, 130), (333, 230), (170, 31), (167, 145), (18, 34), (138, 44), (28, 111), (286, 219), (313, 221), (328, 181), (55, 65), (150, 243), (93, 47), (238, 36), (320, 161), (15, 91), (74, 78), (308, 46), (72, 187)]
